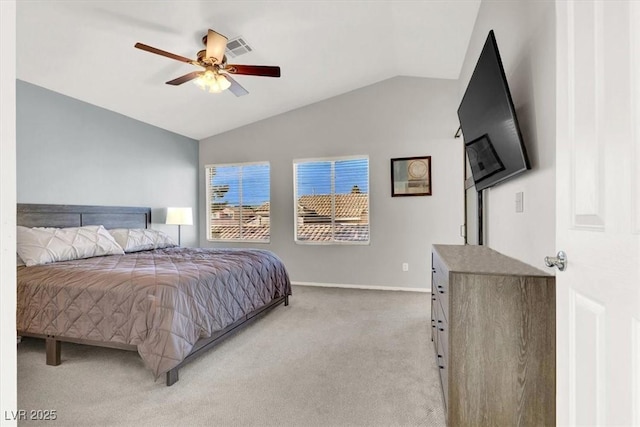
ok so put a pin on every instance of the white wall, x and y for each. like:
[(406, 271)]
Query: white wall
[(8, 401), (525, 33), (71, 152), (399, 117)]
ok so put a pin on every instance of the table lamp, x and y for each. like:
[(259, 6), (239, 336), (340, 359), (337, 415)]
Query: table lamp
[(179, 217)]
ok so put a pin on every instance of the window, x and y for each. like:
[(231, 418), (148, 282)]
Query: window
[(332, 200), (238, 202)]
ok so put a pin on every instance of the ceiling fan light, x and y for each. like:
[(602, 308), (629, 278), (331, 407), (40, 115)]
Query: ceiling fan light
[(200, 83), (213, 82), (223, 82)]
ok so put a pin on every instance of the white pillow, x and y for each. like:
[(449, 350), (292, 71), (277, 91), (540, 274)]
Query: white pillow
[(140, 239), (44, 245)]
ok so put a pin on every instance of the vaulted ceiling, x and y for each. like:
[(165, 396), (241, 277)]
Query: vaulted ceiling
[(325, 48)]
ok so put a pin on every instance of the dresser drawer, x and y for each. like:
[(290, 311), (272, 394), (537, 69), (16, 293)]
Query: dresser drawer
[(440, 284), (442, 332), (442, 298), (440, 273), (434, 313), (443, 367)]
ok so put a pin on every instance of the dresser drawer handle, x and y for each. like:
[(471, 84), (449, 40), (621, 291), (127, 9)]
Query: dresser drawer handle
[(440, 366), (439, 355), (441, 329), (442, 292)]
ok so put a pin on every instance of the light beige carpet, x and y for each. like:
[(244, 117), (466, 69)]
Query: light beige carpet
[(333, 357)]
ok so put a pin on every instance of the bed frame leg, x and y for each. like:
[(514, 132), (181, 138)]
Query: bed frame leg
[(53, 347), (172, 376), (286, 300)]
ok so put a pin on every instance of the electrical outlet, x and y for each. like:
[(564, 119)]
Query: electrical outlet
[(405, 266)]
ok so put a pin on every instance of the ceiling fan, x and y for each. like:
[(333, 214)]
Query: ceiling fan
[(216, 72)]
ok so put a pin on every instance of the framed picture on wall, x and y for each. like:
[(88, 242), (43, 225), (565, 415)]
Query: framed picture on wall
[(411, 176)]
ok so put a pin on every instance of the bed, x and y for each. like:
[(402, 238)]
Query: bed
[(170, 304)]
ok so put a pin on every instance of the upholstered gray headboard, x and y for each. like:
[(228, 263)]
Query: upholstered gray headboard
[(42, 215)]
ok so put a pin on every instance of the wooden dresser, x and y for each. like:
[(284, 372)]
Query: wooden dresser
[(493, 328)]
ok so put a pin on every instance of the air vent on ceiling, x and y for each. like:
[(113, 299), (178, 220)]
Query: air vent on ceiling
[(237, 47)]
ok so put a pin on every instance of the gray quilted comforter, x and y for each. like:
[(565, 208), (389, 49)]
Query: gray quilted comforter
[(161, 301)]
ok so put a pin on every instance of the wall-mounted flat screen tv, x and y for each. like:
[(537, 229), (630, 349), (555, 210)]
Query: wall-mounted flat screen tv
[(492, 137)]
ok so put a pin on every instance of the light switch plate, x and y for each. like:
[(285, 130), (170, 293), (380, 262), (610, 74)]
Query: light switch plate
[(519, 202)]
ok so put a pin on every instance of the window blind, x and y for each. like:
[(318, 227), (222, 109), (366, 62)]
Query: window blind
[(332, 200), (238, 200)]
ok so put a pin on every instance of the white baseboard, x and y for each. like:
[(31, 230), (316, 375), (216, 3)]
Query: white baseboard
[(370, 287)]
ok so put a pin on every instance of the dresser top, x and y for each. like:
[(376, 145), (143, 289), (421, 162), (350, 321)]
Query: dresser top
[(483, 260)]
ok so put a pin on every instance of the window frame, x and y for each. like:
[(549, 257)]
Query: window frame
[(208, 202), (333, 159)]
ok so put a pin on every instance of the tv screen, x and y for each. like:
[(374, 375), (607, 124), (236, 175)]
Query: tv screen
[(492, 137)]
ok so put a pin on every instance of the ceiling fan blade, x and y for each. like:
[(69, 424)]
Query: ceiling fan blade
[(185, 78), (164, 53), (235, 87), (216, 45), (253, 70)]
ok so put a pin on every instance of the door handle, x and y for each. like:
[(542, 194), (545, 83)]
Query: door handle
[(559, 261)]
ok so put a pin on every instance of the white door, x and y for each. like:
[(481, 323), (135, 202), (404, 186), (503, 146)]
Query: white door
[(598, 212)]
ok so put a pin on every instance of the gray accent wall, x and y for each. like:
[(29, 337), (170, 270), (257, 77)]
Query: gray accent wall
[(526, 36), (399, 117), (72, 152)]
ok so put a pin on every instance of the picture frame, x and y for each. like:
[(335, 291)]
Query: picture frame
[(411, 176)]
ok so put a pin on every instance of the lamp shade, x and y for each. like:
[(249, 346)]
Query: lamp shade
[(179, 216)]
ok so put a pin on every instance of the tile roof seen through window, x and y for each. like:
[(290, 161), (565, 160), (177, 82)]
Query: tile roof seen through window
[(314, 219), (306, 232), (348, 206)]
